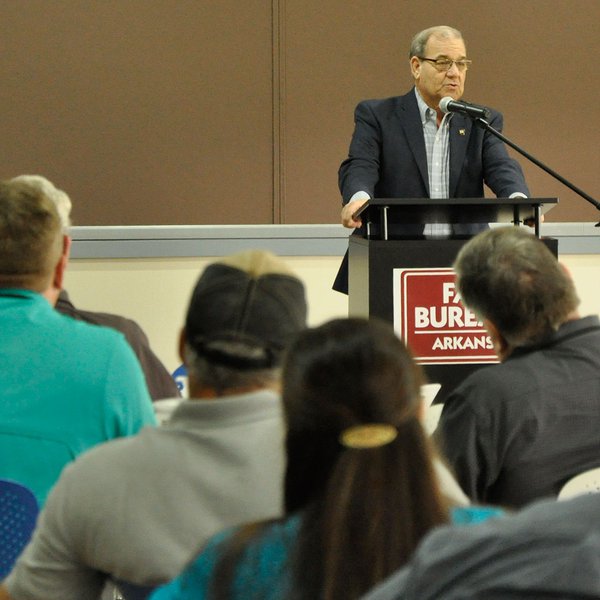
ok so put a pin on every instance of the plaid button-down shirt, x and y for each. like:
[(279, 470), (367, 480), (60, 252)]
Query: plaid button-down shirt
[(437, 144)]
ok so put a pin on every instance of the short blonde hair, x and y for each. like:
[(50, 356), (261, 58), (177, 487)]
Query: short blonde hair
[(61, 199), (31, 237)]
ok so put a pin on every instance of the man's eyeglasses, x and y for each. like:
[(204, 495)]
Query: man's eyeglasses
[(445, 64)]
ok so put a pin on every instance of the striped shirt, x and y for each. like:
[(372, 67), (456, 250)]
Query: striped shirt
[(437, 145)]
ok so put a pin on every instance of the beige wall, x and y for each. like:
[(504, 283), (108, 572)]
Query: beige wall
[(155, 292)]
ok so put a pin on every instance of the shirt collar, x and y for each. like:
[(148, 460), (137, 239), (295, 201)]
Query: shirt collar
[(248, 407), (424, 110), (18, 293), (566, 331), (427, 113)]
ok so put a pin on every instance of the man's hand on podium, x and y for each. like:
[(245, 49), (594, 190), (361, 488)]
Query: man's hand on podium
[(348, 210)]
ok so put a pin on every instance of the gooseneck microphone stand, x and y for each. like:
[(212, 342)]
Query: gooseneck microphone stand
[(485, 125)]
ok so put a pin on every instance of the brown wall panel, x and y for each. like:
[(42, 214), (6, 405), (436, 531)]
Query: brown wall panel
[(145, 112), (192, 112)]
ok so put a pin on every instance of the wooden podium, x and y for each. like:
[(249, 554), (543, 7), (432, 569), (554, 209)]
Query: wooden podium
[(383, 260)]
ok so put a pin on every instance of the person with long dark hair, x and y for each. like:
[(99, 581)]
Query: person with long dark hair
[(361, 488)]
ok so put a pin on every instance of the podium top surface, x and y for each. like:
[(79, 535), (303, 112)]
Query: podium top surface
[(457, 210), (461, 201)]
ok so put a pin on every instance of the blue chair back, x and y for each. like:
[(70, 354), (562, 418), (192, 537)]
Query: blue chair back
[(18, 514)]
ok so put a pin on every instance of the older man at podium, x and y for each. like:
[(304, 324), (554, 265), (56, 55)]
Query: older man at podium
[(408, 147)]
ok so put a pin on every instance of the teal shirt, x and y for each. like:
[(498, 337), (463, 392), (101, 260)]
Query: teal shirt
[(65, 386), (262, 573)]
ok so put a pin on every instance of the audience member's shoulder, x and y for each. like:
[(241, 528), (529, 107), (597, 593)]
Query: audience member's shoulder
[(128, 452), (267, 536), (381, 106), (576, 515), (128, 327), (544, 521), (93, 345), (526, 555), (499, 381), (91, 483), (475, 388), (83, 329)]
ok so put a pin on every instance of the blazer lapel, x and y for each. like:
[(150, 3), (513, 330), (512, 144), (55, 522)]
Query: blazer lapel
[(460, 131), (410, 120)]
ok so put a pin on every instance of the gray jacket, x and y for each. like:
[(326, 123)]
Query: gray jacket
[(550, 550)]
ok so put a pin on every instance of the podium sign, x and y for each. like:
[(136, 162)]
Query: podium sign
[(430, 317)]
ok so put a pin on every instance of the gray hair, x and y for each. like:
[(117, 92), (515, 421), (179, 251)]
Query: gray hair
[(510, 277), (221, 377), (417, 46), (61, 199)]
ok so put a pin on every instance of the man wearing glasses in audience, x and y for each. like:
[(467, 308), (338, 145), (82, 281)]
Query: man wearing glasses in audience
[(406, 147)]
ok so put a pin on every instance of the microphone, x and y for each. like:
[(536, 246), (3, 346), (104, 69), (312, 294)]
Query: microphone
[(447, 104)]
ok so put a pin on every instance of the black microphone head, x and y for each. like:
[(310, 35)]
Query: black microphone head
[(444, 103)]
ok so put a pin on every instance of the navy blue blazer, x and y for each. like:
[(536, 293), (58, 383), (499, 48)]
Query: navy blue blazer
[(387, 157)]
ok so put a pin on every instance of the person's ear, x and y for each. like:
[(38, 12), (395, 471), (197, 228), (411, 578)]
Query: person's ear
[(67, 241), (501, 347), (566, 270), (415, 67), (58, 277)]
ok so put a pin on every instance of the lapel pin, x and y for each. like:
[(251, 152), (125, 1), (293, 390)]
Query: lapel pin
[(461, 132)]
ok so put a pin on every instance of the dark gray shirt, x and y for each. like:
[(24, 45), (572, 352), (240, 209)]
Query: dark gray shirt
[(517, 431)]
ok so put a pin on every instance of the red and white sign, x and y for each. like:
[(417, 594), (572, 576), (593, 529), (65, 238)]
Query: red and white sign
[(431, 319)]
